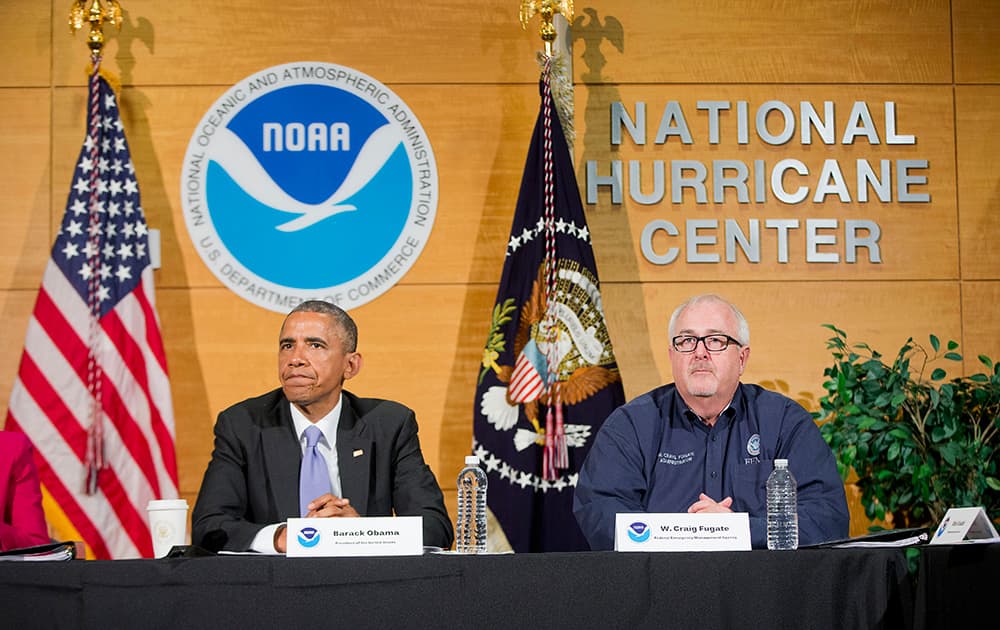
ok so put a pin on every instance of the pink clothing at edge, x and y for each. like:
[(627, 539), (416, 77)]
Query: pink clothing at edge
[(23, 520)]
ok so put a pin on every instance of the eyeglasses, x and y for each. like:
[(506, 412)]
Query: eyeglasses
[(713, 343)]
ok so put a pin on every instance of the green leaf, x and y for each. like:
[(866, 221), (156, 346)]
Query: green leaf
[(950, 452), (916, 440), (900, 433), (839, 332), (866, 422)]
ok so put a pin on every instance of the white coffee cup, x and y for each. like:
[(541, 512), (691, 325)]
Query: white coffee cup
[(167, 524)]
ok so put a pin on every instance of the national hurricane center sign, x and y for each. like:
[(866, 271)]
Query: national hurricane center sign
[(727, 158), (309, 180)]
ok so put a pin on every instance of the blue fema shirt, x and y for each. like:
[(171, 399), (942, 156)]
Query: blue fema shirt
[(654, 454)]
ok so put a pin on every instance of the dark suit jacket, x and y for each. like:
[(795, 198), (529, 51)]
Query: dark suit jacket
[(252, 479)]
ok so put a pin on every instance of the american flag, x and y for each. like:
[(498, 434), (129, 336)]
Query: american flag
[(92, 392)]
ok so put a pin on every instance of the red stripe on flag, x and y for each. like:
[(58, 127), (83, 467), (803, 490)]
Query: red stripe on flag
[(525, 392), (118, 413), (48, 400), (153, 338), (525, 382), (51, 319), (62, 334), (48, 478), (164, 433), (75, 436)]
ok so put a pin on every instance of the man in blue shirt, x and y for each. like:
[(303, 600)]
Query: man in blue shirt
[(707, 442)]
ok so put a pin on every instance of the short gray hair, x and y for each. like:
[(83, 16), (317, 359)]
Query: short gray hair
[(742, 327), (343, 321)]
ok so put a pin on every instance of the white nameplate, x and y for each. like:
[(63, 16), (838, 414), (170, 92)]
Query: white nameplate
[(365, 536), (964, 524), (682, 532)]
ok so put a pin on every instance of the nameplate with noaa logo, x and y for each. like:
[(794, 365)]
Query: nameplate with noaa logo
[(967, 524), (365, 536), (682, 532)]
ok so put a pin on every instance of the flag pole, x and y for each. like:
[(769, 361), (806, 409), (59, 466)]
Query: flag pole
[(549, 375), (96, 15), (99, 12), (92, 391), (555, 455), (555, 19), (546, 10)]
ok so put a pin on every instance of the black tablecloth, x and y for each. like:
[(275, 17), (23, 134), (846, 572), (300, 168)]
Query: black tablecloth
[(808, 588), (957, 586)]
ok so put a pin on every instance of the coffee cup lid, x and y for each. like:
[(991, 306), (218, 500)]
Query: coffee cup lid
[(167, 504)]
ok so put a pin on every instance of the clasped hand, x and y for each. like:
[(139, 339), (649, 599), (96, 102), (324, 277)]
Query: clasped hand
[(326, 506), (706, 503), (330, 506)]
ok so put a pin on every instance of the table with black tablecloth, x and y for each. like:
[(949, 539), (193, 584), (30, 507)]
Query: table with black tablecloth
[(957, 586), (807, 588)]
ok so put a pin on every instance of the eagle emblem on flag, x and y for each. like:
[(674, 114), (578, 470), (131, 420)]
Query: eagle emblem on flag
[(585, 360)]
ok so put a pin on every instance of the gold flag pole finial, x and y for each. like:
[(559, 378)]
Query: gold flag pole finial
[(99, 12), (547, 10)]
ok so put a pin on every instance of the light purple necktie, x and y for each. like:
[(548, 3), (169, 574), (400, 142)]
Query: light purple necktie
[(314, 478)]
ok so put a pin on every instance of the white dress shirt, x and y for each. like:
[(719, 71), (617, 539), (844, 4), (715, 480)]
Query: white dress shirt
[(263, 542)]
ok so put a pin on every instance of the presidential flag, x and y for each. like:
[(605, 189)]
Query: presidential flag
[(92, 391), (548, 377)]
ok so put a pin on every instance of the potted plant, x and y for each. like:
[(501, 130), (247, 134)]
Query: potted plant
[(919, 443)]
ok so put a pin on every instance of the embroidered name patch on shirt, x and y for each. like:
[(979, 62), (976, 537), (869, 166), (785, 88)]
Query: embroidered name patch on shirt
[(675, 459)]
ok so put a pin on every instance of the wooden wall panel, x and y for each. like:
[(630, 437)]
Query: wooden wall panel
[(24, 179), (26, 31), (219, 42), (981, 324), (787, 340), (758, 41), (918, 239), (976, 28), (480, 154), (15, 308), (977, 127), (221, 351)]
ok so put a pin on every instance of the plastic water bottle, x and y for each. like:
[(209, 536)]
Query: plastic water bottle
[(470, 530), (782, 514)]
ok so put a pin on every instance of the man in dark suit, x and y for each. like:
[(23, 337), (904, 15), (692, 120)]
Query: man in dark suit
[(370, 447)]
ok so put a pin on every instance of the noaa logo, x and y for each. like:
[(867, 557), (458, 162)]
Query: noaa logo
[(753, 445), (638, 532), (943, 527), (309, 180), (308, 537)]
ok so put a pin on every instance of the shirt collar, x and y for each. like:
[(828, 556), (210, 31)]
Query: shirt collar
[(727, 412), (327, 424)]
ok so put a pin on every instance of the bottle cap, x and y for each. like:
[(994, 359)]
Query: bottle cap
[(781, 463), (471, 460)]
